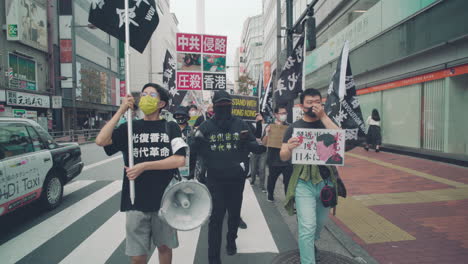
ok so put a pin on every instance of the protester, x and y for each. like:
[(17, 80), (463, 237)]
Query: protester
[(158, 150), (374, 136), (307, 181), (181, 116), (275, 165), (258, 161), (224, 142), (193, 111), (200, 168)]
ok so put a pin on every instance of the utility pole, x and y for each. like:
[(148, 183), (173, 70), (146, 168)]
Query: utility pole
[(289, 25), (278, 48), (74, 123)]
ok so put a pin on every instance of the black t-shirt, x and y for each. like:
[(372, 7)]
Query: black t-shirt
[(273, 155), (223, 150), (301, 124), (151, 142)]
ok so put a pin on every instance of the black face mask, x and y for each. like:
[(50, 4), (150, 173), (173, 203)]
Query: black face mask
[(309, 112), (181, 120), (223, 112)]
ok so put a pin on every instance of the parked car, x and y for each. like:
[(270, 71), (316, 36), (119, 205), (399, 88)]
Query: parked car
[(33, 166)]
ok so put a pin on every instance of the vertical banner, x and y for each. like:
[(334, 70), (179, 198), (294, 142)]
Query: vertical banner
[(342, 104), (319, 147), (200, 62), (290, 79), (169, 78)]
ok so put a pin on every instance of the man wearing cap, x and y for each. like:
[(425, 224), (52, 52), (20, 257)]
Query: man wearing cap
[(181, 116), (224, 142)]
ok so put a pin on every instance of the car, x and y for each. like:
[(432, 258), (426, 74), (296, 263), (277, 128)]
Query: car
[(33, 167)]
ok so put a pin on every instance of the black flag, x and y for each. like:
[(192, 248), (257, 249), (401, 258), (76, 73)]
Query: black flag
[(169, 75), (342, 104), (290, 79), (266, 102), (109, 16)]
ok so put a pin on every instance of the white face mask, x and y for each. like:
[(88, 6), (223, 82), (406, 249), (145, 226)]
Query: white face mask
[(283, 118), (193, 113)]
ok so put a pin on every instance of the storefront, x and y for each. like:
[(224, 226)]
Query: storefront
[(426, 111), (26, 105)]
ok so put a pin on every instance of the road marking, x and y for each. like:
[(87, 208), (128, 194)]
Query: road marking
[(101, 162), (20, 246), (186, 251), (75, 186), (93, 250), (411, 171), (414, 197), (368, 225), (257, 237)]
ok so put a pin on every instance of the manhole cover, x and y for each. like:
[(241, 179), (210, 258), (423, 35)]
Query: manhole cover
[(326, 257)]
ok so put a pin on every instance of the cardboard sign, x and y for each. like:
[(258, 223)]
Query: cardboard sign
[(275, 137), (319, 147)]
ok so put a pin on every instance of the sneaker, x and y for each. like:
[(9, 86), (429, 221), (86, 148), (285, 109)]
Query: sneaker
[(264, 190), (270, 198), (242, 224), (366, 148), (377, 150), (231, 248)]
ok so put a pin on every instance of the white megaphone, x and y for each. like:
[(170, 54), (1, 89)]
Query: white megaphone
[(185, 205)]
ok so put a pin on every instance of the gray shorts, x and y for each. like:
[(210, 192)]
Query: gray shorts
[(144, 228)]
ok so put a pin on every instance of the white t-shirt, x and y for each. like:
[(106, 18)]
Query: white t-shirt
[(372, 122)]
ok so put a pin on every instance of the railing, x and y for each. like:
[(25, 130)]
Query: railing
[(80, 136)]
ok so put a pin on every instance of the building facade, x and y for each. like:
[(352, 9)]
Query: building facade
[(26, 86), (252, 42), (407, 63)]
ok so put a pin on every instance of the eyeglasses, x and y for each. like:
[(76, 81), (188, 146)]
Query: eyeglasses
[(154, 95)]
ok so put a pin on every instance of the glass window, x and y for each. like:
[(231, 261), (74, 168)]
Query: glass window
[(35, 139), (14, 140)]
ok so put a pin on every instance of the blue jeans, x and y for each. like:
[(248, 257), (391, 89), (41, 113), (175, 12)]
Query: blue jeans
[(257, 167), (311, 216)]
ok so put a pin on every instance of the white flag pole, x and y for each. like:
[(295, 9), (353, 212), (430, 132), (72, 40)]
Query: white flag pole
[(129, 112), (304, 55)]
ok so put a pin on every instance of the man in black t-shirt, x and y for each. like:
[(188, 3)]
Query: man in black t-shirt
[(158, 150), (275, 165), (307, 181), (224, 142)]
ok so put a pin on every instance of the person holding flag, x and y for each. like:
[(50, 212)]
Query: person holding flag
[(158, 150)]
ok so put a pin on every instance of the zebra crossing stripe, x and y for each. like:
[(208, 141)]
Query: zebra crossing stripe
[(185, 253), (93, 250), (257, 237), (18, 247), (88, 167), (75, 186)]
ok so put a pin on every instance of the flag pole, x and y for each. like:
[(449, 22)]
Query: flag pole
[(129, 112), (304, 55)]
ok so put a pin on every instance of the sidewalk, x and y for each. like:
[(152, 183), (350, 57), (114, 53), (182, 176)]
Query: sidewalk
[(402, 209)]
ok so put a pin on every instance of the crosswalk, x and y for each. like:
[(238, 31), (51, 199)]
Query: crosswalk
[(92, 230)]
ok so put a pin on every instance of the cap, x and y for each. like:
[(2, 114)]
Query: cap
[(181, 110), (221, 96)]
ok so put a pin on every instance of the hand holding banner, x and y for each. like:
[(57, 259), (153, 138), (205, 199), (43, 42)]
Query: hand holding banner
[(319, 147)]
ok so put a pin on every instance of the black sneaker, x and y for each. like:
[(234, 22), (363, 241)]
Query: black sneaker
[(242, 224), (377, 150), (231, 248)]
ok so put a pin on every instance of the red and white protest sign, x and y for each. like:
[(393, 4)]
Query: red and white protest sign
[(189, 81), (214, 44), (189, 43), (201, 62)]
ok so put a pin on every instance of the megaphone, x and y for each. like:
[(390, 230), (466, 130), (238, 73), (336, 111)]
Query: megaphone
[(185, 205)]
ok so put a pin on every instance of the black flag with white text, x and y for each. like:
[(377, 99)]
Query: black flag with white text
[(290, 79), (169, 75), (266, 102), (342, 104), (109, 16)]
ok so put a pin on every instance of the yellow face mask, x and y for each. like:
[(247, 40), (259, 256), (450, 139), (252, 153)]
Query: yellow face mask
[(148, 104)]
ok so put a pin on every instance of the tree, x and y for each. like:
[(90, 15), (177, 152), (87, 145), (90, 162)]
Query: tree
[(245, 84)]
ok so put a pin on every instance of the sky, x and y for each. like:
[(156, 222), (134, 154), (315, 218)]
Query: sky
[(222, 17)]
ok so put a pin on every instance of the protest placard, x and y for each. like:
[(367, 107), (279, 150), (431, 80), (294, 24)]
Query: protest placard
[(244, 107), (275, 136), (319, 147)]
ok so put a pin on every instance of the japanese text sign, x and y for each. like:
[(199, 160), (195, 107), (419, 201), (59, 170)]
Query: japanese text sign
[(319, 147)]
